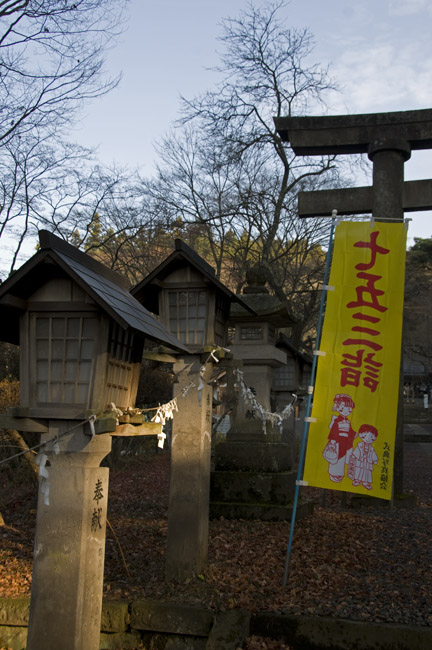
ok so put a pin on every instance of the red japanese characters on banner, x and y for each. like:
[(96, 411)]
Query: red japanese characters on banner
[(363, 366), (351, 435)]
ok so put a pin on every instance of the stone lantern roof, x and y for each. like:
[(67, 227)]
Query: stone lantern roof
[(257, 298), (147, 291), (56, 259)]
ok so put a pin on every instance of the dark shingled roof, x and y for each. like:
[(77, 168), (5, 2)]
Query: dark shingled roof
[(106, 287), (148, 289)]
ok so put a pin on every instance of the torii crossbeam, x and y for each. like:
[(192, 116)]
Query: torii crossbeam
[(388, 139)]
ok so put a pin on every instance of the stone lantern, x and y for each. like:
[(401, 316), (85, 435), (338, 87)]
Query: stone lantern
[(81, 333), (194, 305), (81, 337), (188, 298), (254, 475), (255, 343)]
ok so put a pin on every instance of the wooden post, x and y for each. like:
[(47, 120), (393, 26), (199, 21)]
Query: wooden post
[(188, 511)]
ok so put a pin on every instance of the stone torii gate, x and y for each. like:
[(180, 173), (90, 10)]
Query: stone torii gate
[(388, 139)]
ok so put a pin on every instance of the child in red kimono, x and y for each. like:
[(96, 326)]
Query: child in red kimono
[(341, 432)]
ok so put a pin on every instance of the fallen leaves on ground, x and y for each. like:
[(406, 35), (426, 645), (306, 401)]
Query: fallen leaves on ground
[(365, 565), (260, 643)]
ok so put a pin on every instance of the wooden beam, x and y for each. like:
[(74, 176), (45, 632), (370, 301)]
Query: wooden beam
[(23, 424), (104, 425), (416, 196), (8, 300), (346, 134), (157, 356)]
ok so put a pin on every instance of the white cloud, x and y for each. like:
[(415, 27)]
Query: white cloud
[(407, 7), (386, 76)]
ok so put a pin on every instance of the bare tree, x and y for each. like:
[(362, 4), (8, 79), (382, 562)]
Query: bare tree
[(101, 212), (32, 170), (229, 171), (51, 61), (51, 58)]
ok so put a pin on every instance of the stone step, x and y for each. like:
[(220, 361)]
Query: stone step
[(253, 487), (253, 456), (417, 433)]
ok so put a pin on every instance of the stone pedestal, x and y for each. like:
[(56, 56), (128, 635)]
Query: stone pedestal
[(254, 480), (66, 594), (254, 456), (188, 510), (254, 475)]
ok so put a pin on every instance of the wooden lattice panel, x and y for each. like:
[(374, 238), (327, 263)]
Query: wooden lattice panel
[(65, 357)]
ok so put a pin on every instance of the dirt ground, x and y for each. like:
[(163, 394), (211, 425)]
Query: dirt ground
[(372, 564)]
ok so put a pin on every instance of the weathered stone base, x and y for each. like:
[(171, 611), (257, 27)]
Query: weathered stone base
[(171, 626), (170, 618), (124, 640), (14, 616), (13, 637), (322, 633), (229, 630), (254, 480), (154, 624), (276, 488), (253, 456)]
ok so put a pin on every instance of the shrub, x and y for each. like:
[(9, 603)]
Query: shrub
[(9, 394)]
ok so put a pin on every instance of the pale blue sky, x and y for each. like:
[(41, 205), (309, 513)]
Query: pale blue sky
[(380, 53)]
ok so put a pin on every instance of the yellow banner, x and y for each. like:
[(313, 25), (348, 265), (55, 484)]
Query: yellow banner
[(352, 432)]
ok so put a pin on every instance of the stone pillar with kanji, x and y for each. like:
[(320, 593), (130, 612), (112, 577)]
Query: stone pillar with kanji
[(66, 594)]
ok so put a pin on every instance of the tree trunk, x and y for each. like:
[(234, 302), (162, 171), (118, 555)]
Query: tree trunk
[(19, 441)]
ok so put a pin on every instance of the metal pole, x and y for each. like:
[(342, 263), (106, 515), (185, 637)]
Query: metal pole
[(309, 404)]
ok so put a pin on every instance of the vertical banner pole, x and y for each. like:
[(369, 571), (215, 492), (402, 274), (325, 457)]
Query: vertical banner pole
[(309, 403)]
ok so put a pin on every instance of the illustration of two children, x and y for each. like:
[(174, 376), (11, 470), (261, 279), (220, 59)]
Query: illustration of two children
[(360, 460)]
